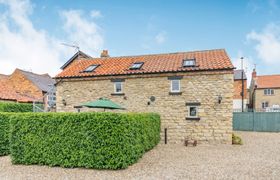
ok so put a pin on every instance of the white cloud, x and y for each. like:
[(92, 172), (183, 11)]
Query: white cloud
[(87, 34), (96, 14), (267, 44), (160, 38), (24, 46)]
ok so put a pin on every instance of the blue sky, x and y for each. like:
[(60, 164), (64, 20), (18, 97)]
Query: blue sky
[(34, 30)]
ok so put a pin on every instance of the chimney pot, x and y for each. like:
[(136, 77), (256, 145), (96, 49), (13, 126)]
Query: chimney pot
[(104, 53)]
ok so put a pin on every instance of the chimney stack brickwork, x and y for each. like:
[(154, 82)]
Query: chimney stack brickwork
[(104, 53)]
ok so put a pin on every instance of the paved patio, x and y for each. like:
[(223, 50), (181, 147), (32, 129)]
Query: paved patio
[(258, 158)]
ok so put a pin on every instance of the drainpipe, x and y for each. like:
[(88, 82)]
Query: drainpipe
[(242, 84)]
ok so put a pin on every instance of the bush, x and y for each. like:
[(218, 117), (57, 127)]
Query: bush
[(15, 107), (236, 140), (4, 133), (90, 140)]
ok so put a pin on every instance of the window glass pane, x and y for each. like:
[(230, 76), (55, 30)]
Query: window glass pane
[(118, 87), (272, 91), (264, 105), (137, 65), (175, 85), (90, 68), (193, 111), (189, 62)]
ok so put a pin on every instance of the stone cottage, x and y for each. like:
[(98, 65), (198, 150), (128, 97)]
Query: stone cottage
[(265, 92), (192, 91)]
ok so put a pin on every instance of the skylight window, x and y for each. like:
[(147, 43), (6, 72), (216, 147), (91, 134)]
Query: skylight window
[(136, 65), (188, 62), (91, 68)]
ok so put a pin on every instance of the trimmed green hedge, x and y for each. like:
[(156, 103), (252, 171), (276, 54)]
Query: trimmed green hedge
[(4, 133), (90, 140), (15, 107)]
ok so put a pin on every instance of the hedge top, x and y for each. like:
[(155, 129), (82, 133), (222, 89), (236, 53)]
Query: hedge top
[(15, 107)]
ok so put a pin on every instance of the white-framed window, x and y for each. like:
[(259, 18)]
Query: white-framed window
[(269, 92), (175, 85), (264, 104), (137, 65), (188, 62), (51, 99), (91, 68), (192, 111), (118, 86)]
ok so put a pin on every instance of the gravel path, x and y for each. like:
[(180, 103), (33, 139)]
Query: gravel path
[(258, 158)]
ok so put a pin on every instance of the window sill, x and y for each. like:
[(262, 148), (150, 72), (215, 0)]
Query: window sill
[(117, 94), (193, 118), (175, 93)]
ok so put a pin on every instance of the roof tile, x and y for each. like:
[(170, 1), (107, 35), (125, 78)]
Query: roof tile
[(156, 63), (268, 81)]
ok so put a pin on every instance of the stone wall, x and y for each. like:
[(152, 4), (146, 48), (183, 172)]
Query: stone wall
[(214, 126)]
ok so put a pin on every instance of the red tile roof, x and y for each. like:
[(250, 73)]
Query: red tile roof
[(268, 81), (157, 63), (12, 88), (7, 92)]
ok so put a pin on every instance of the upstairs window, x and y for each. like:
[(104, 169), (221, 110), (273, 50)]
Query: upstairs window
[(175, 85), (51, 99), (269, 92), (118, 87), (188, 62), (136, 65), (91, 68)]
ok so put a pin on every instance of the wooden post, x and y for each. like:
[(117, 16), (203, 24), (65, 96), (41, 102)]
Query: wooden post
[(165, 135)]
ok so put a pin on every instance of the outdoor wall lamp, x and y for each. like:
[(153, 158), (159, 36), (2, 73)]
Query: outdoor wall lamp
[(152, 99), (64, 102), (220, 98)]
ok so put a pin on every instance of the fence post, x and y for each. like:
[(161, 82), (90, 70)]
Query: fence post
[(254, 120), (165, 135)]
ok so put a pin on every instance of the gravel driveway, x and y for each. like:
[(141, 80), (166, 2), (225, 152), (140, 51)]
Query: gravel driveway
[(258, 158)]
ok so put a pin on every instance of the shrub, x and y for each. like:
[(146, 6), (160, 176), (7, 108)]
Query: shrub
[(90, 140), (15, 107), (236, 140), (4, 133)]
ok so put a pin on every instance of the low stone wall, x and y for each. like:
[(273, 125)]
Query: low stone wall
[(214, 126)]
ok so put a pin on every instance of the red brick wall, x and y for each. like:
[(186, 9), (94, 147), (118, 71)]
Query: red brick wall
[(238, 89), (22, 85)]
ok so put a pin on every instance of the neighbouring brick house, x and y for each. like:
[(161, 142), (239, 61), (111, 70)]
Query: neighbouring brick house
[(192, 91), (237, 97), (24, 86), (264, 91)]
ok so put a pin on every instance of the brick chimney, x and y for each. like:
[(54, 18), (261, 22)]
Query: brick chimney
[(254, 73), (104, 53)]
